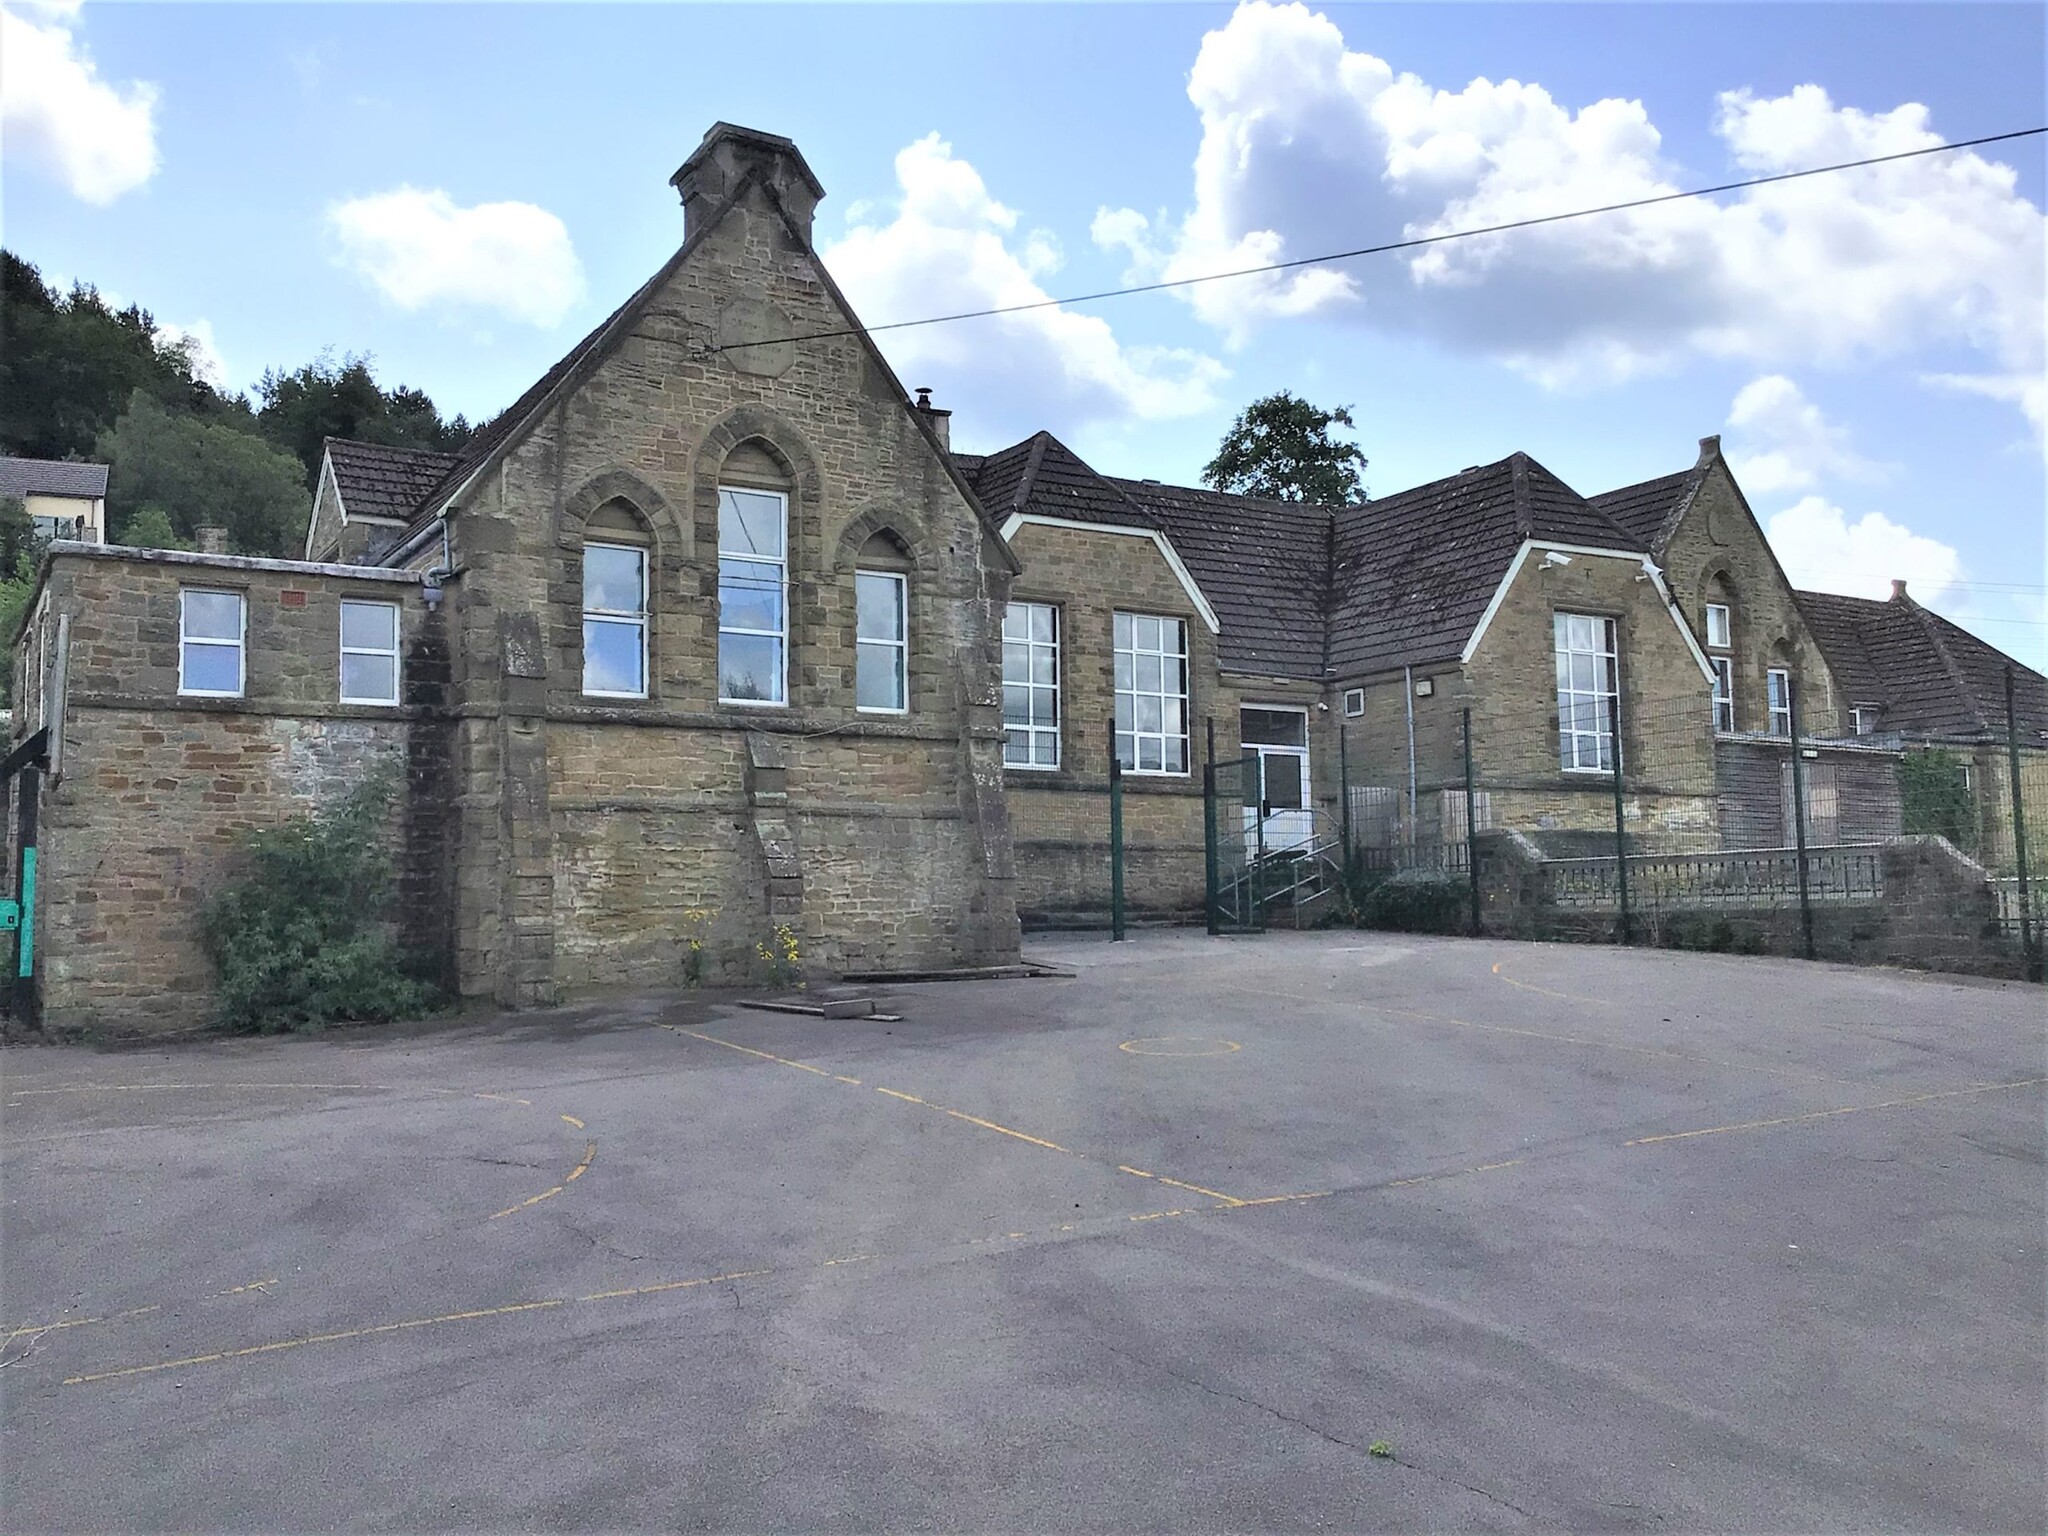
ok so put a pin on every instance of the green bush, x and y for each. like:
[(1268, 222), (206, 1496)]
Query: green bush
[(300, 942), (1417, 901), (1934, 797)]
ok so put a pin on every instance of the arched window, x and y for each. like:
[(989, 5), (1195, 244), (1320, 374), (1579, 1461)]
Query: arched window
[(616, 555), (881, 588), (753, 578), (1719, 630)]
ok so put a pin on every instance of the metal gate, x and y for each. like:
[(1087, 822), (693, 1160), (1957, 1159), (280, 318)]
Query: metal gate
[(1230, 808)]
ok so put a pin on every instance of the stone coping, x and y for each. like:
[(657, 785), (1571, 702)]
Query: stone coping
[(141, 556)]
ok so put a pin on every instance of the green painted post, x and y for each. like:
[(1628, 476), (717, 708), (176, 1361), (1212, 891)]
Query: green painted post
[(25, 895), (1116, 844), (1799, 816), (2029, 935), (1344, 789)]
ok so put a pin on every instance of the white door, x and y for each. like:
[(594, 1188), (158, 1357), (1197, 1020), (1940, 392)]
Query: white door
[(1277, 734)]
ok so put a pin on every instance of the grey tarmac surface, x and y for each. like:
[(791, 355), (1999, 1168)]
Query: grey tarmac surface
[(1588, 1239)]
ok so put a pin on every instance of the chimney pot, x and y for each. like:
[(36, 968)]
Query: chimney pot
[(212, 540), (1898, 589), (941, 422)]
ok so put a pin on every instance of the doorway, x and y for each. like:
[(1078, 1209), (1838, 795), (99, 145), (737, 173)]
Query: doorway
[(1277, 735)]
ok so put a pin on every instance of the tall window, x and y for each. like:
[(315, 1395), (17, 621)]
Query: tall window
[(881, 636), (1718, 626), (1778, 685), (369, 653), (212, 630), (1151, 693), (1031, 685), (753, 596), (1724, 692), (615, 621), (1586, 691)]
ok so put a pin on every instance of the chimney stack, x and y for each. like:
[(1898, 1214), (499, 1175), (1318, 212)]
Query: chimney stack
[(212, 540), (941, 422), (713, 173), (1710, 447), (1898, 590)]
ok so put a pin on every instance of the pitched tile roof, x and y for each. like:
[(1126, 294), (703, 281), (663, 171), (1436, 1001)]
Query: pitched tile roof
[(1650, 509), (52, 477), (1925, 672), (378, 481)]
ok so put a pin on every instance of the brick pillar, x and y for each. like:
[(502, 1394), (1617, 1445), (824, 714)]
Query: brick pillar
[(526, 961), (768, 803)]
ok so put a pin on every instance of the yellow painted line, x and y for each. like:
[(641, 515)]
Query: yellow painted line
[(315, 1338), (1530, 986), (676, 1285), (1454, 1173), (253, 1285), (1213, 1194), (503, 1098), (79, 1322), (854, 1258), (1320, 1194), (589, 1153), (1050, 1146), (571, 1119), (838, 1079), (1139, 1172), (1827, 1114), (783, 1061)]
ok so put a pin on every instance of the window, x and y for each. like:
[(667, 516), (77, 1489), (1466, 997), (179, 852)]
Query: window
[(1354, 702), (881, 648), (1863, 719), (1586, 677), (369, 653), (1151, 693), (1031, 685), (753, 596), (1718, 627), (1778, 685), (615, 621), (211, 629), (1724, 692)]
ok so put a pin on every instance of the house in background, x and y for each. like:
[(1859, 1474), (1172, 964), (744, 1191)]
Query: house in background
[(64, 500)]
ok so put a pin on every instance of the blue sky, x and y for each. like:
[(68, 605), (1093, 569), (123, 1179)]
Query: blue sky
[(461, 191)]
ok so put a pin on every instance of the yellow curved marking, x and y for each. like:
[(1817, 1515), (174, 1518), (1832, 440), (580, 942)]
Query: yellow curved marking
[(1135, 1047), (571, 1119), (1530, 986), (589, 1152)]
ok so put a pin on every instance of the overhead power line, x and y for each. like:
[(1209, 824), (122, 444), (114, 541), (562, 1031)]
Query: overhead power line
[(1392, 245)]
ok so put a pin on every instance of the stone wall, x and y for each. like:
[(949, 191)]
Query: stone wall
[(141, 826)]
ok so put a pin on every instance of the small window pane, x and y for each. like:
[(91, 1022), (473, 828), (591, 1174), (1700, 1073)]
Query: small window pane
[(369, 626), (1717, 624), (369, 678), (1042, 623), (878, 600), (213, 616), (612, 656), (1121, 629), (750, 523), (750, 668), (213, 668), (612, 578), (1016, 623), (749, 595), (879, 675)]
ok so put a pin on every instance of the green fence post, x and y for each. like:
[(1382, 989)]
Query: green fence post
[(1799, 816), (2029, 936), (1116, 843), (1471, 826), (25, 897), (1620, 832), (1344, 790)]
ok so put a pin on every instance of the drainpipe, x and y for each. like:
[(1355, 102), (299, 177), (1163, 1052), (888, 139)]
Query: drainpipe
[(1408, 689)]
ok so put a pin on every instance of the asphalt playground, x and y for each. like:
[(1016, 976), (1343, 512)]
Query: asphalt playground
[(1299, 1232)]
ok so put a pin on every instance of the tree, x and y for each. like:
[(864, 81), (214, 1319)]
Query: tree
[(326, 398), (150, 528), (20, 553), (199, 472), (1281, 448)]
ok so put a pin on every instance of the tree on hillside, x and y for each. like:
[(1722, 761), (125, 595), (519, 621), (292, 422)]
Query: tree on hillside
[(328, 398), (199, 472), (70, 362), (1281, 448)]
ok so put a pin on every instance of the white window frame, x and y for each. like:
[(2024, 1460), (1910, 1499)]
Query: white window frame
[(1724, 692), (900, 645), (347, 650), (781, 636), (1163, 693), (1028, 733), (1571, 755), (1727, 626), (1862, 720), (1354, 703), (240, 645), (636, 618), (1778, 696)]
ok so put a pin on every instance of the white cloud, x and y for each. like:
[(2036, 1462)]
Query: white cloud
[(97, 138), (1308, 146), (207, 363), (420, 248), (946, 245), (1784, 442), (1822, 550), (2028, 391)]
